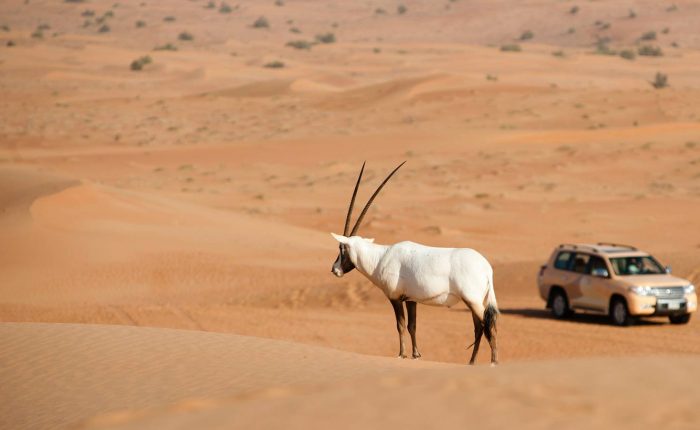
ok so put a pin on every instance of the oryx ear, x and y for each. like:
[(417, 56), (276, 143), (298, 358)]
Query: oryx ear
[(339, 238), (370, 240)]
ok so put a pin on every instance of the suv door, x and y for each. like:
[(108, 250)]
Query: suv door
[(575, 281), (594, 291)]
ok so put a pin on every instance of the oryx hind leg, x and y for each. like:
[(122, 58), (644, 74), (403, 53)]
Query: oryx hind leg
[(477, 311), (411, 310)]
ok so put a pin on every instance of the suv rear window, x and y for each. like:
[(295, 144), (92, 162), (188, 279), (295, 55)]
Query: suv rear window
[(562, 260), (581, 263)]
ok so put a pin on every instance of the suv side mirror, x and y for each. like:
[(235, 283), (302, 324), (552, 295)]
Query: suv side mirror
[(668, 269), (600, 272)]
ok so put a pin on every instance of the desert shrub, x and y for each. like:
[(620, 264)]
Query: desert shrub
[(632, 14), (140, 62), (649, 35), (140, 24), (574, 10), (44, 27), (571, 30), (294, 30), (660, 81), (274, 65), (210, 5), (225, 8), (279, 2), (401, 9), (10, 43), (108, 14), (261, 22), (299, 44), (87, 23), (166, 47), (602, 48), (672, 8), (37, 34), (559, 53), (665, 30), (527, 35), (169, 19), (74, 1), (104, 29), (325, 38), (186, 36), (628, 54), (650, 51), (88, 13), (5, 27), (379, 11), (511, 47)]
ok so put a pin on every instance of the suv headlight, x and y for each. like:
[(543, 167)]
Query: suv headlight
[(689, 289), (642, 291)]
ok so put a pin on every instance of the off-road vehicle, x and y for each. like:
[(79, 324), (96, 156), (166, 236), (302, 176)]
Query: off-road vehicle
[(617, 280)]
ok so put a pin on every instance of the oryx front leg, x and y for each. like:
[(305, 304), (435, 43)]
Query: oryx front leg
[(411, 310), (400, 324)]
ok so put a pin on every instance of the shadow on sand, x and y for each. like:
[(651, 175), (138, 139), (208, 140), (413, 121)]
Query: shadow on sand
[(578, 317)]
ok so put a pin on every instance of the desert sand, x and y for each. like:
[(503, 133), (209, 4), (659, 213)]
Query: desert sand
[(166, 250)]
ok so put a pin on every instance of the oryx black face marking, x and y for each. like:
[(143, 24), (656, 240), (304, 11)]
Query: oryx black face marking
[(342, 264)]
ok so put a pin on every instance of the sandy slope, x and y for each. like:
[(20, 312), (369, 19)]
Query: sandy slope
[(91, 376)]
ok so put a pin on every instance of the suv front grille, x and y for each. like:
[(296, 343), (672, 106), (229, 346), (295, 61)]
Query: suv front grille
[(668, 292)]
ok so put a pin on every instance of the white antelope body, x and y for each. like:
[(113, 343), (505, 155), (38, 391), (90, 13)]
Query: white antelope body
[(411, 273)]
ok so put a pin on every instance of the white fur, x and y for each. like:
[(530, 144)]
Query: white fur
[(424, 274)]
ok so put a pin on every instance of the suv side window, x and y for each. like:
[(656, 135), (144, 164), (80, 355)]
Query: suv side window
[(581, 263), (562, 260), (596, 263)]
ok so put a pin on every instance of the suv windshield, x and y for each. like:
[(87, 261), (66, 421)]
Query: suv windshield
[(645, 265)]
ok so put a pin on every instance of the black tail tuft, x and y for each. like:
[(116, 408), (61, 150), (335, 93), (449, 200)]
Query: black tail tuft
[(490, 317)]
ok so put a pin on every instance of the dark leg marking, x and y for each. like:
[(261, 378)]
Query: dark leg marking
[(478, 332), (400, 324), (411, 310)]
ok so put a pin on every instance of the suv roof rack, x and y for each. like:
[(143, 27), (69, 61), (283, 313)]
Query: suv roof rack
[(617, 245), (573, 245)]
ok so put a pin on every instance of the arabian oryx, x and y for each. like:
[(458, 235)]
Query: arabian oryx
[(413, 273)]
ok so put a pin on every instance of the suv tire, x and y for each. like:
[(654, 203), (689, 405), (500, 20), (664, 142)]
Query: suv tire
[(619, 314), (679, 319), (560, 304)]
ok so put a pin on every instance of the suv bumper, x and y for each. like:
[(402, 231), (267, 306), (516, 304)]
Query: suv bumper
[(644, 305)]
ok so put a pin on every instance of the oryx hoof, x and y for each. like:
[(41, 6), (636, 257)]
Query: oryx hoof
[(402, 355), (416, 355)]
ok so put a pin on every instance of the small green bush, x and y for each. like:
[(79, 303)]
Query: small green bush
[(88, 13), (628, 54), (186, 36), (166, 47), (225, 8), (511, 47), (574, 10), (210, 5), (660, 81), (169, 19), (527, 35), (274, 65), (325, 38), (299, 44), (401, 9), (139, 63), (104, 29), (650, 51), (261, 22), (649, 35), (140, 24)]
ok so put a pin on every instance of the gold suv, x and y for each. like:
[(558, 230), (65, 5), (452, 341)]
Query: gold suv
[(617, 280)]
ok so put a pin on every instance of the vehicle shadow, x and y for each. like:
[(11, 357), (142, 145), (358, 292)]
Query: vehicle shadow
[(578, 317)]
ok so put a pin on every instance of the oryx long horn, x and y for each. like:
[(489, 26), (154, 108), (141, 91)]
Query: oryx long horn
[(371, 199), (352, 201)]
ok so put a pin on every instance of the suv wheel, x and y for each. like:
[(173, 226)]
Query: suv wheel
[(679, 319), (560, 304), (619, 315)]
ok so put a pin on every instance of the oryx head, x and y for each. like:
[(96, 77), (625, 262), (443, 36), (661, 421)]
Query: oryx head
[(343, 264)]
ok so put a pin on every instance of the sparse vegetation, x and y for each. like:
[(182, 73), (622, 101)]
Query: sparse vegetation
[(602, 48), (74, 1), (5, 27), (261, 22), (210, 5), (650, 51), (527, 35), (491, 77), (294, 30), (225, 8), (88, 13), (139, 63), (660, 81), (379, 11), (628, 54), (299, 44), (559, 53), (274, 65), (185, 36), (571, 30), (632, 14), (140, 24), (169, 18), (672, 8), (166, 47), (401, 9), (38, 34), (279, 3), (10, 43), (649, 35), (325, 38), (665, 30), (104, 29), (511, 47), (574, 10)]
